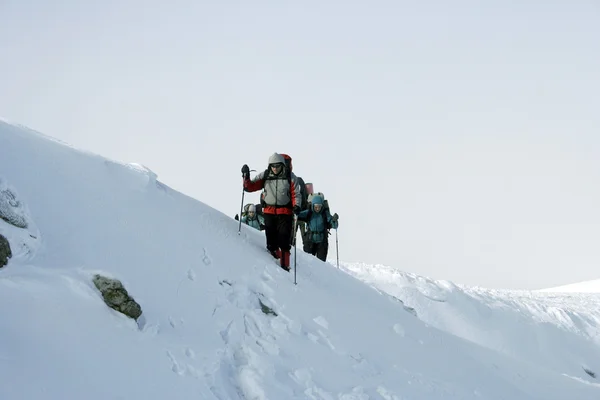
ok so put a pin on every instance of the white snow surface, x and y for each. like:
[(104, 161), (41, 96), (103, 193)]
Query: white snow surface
[(387, 335), (592, 286), (559, 331)]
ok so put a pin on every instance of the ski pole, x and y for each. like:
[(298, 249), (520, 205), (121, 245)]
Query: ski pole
[(337, 251)]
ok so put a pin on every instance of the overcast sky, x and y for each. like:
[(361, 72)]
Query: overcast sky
[(457, 140)]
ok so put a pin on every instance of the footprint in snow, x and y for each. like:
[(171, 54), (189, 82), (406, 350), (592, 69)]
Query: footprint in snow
[(266, 342), (363, 367), (206, 259), (226, 333), (304, 378), (301, 376), (325, 339), (191, 275), (175, 365), (399, 330), (269, 348), (266, 290), (190, 353), (179, 370), (294, 327), (386, 394), (265, 276), (249, 378), (322, 322), (251, 327), (173, 324), (312, 337), (321, 338), (357, 393), (151, 329), (191, 371)]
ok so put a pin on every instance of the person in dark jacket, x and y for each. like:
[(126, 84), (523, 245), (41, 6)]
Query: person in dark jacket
[(282, 199), (318, 222), (308, 189), (304, 195)]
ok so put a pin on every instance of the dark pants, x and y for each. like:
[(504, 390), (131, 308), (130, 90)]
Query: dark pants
[(306, 243), (294, 237), (278, 229), (302, 226), (319, 250)]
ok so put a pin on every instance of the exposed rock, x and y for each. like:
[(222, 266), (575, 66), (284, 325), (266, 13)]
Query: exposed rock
[(589, 372), (266, 309), (5, 252), (16, 225), (116, 296), (11, 209)]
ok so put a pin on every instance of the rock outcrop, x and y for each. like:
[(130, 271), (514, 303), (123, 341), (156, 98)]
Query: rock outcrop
[(116, 296), (5, 252)]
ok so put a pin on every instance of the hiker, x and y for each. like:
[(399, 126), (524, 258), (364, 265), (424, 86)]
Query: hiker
[(251, 218), (318, 222), (306, 239), (281, 200), (308, 188), (304, 193)]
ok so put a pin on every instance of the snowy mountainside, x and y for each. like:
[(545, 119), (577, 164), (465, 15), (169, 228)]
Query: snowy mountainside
[(560, 331), (220, 319)]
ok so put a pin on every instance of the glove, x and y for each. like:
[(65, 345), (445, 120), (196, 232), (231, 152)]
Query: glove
[(297, 210), (335, 217), (237, 218), (246, 172)]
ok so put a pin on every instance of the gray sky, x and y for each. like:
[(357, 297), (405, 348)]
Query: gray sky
[(457, 140)]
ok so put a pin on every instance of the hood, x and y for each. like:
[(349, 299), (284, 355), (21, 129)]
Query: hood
[(276, 159)]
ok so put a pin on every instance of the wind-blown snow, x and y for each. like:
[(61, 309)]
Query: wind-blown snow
[(201, 286)]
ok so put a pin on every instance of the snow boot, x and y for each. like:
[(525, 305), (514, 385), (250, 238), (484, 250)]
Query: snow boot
[(276, 253), (285, 260)]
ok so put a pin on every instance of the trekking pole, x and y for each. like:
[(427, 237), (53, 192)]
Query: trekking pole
[(337, 251), (295, 248), (241, 209), (242, 206)]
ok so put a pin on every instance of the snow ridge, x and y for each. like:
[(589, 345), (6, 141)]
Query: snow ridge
[(221, 321)]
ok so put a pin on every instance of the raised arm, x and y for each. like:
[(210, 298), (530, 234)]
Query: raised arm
[(252, 185), (333, 220), (303, 216)]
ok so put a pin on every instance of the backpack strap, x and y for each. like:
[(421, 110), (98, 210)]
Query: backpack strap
[(325, 222), (288, 174)]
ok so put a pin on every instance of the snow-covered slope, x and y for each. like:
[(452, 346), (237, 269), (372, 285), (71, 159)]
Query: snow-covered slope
[(203, 334), (559, 331), (592, 286)]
